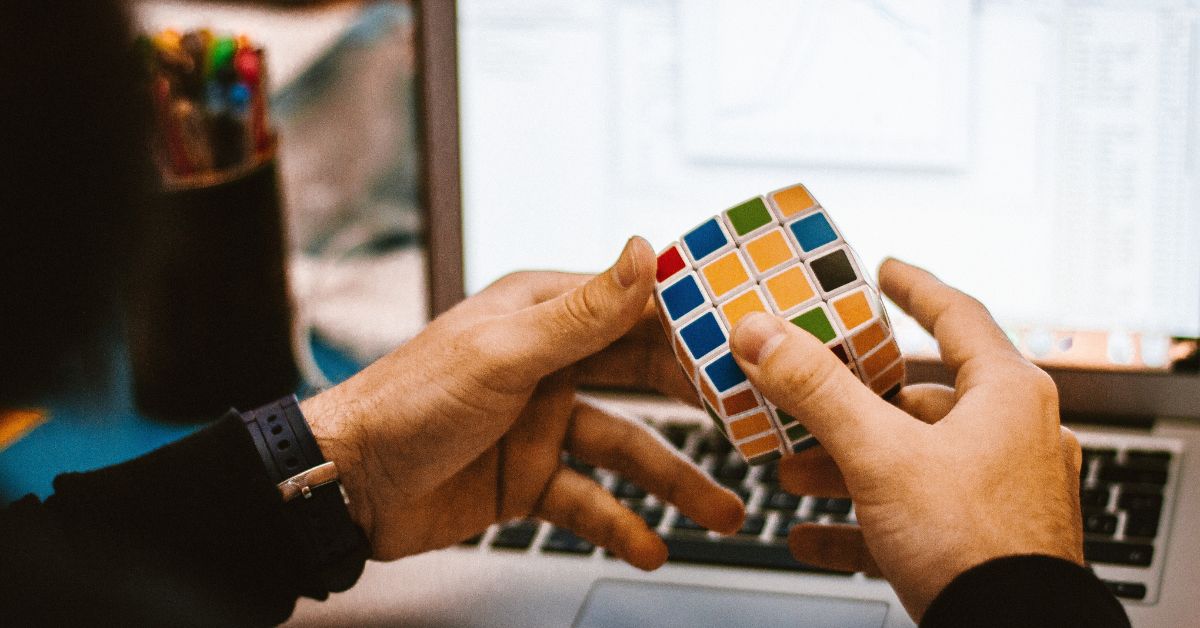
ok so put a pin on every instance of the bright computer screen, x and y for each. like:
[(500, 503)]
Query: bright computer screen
[(1041, 155)]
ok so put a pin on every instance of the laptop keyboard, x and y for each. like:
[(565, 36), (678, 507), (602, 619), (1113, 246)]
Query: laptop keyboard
[(1126, 483)]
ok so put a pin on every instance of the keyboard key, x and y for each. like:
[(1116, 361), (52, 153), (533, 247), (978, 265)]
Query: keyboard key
[(826, 505), (780, 499), (784, 527), (1137, 500), (1094, 497), (578, 465), (1100, 523), (686, 523), (734, 553), (628, 490), (716, 445), (516, 535), (770, 474), (1147, 460), (742, 492), (733, 468), (1102, 454), (753, 526), (1136, 456), (652, 515), (1112, 552), (1133, 475), (1130, 590), (677, 434), (565, 541), (1143, 523)]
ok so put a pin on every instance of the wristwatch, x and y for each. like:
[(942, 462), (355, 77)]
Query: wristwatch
[(314, 501)]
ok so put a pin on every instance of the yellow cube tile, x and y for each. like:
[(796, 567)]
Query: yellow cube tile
[(793, 200), (738, 307), (789, 288), (854, 309), (725, 274), (769, 251)]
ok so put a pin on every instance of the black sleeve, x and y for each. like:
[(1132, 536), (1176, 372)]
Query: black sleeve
[(1027, 591), (190, 534)]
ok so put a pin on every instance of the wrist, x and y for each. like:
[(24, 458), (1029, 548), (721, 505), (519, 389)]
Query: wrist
[(331, 422)]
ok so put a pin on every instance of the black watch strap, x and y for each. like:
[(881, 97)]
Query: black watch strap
[(317, 515)]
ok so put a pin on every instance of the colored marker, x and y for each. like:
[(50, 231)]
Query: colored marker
[(220, 57)]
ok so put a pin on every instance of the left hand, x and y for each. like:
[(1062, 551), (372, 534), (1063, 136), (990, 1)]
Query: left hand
[(465, 425)]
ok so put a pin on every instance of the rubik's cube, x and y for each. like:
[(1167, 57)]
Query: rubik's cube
[(779, 253)]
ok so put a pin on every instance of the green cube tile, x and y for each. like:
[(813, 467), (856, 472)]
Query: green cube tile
[(796, 432), (749, 216), (816, 323), (784, 417), (804, 444)]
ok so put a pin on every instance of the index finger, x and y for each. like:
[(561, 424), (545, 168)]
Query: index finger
[(638, 454), (970, 341)]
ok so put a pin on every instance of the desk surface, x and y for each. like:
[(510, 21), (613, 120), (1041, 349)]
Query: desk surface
[(103, 427)]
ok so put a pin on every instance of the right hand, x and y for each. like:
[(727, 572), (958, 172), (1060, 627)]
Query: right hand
[(942, 481)]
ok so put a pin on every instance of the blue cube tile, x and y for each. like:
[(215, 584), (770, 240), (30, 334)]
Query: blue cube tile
[(702, 335), (813, 232), (705, 239), (682, 297), (724, 373)]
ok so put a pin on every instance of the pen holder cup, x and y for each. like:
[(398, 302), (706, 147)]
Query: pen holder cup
[(210, 321)]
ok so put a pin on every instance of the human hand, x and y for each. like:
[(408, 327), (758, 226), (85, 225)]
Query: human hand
[(942, 481), (465, 424)]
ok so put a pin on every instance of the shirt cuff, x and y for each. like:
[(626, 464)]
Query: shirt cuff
[(1027, 590)]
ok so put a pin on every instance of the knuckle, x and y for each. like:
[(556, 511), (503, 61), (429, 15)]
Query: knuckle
[(1043, 385), (482, 347), (478, 341), (581, 308), (512, 279)]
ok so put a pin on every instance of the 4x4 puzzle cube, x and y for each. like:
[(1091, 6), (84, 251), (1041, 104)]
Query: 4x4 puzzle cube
[(780, 253)]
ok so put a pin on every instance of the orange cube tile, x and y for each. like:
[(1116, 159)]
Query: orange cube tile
[(793, 200), (739, 402), (756, 423), (854, 309), (884, 356), (759, 446), (769, 251), (869, 338)]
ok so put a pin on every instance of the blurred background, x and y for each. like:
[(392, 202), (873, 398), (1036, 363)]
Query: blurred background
[(1040, 155)]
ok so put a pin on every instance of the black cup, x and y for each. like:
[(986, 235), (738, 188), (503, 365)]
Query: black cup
[(210, 321)]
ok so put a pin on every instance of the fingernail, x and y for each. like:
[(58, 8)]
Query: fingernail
[(627, 264), (756, 336)]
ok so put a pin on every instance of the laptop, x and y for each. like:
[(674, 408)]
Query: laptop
[(1041, 156)]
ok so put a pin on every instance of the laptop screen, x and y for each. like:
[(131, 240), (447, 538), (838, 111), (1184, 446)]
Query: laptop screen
[(1041, 156)]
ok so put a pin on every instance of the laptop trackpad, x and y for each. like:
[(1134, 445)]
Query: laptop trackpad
[(621, 603)]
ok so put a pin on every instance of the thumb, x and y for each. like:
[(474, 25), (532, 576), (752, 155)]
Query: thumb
[(543, 338), (796, 372)]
